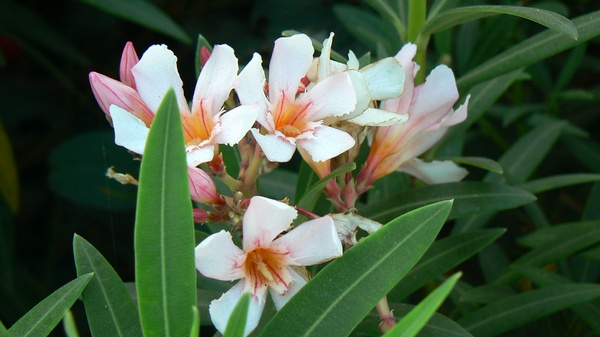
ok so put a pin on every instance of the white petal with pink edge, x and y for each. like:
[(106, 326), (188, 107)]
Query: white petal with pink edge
[(297, 284), (264, 220), (291, 59), (331, 97), (219, 258), (155, 74), (130, 131), (220, 310), (326, 143), (312, 242), (276, 148), (216, 78), (236, 123), (434, 172), (438, 94)]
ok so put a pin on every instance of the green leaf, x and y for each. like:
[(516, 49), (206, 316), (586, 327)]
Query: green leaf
[(569, 68), (144, 14), (487, 293), (164, 230), (195, 331), (202, 42), (42, 319), (460, 15), (367, 28), (309, 199), (306, 178), (411, 324), (389, 14), (3, 331), (469, 198), (442, 256), (236, 324), (532, 50), (481, 162), (109, 308), (344, 292), (554, 182), (278, 184), (69, 325), (514, 311), (547, 236)]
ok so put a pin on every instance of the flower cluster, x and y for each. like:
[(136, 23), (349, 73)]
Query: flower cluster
[(323, 108)]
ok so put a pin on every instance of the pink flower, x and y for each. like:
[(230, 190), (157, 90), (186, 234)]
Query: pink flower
[(289, 119), (429, 107), (202, 188), (132, 103), (264, 262)]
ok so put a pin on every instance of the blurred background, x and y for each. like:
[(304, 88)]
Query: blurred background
[(56, 145)]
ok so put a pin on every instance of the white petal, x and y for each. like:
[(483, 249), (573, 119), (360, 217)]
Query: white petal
[(155, 74), (130, 131), (197, 155), (434, 172), (250, 84), (264, 220), (352, 61), (312, 242), (220, 310), (333, 96), (327, 142), (276, 149), (457, 116), (436, 96), (405, 57), (295, 286), (216, 78), (378, 117), (236, 123), (219, 258), (324, 67), (385, 78), (361, 90), (292, 56)]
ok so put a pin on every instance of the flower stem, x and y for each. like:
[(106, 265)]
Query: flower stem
[(388, 321)]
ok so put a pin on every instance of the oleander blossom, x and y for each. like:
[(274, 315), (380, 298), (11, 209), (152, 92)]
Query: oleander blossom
[(290, 116), (265, 261), (429, 107), (132, 103)]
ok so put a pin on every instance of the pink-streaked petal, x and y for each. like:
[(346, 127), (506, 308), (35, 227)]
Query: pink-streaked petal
[(155, 74), (455, 117), (419, 143), (294, 287), (326, 143), (197, 155), (385, 78), (433, 99), (202, 188), (405, 56), (264, 220), (236, 123), (220, 310), (434, 172), (129, 58), (130, 131), (292, 56), (331, 97), (219, 258), (276, 149), (216, 78), (109, 91), (312, 242), (378, 117)]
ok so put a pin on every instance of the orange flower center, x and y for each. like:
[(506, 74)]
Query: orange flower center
[(266, 266), (290, 117)]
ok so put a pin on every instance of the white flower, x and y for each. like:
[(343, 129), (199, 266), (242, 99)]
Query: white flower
[(289, 116), (264, 262)]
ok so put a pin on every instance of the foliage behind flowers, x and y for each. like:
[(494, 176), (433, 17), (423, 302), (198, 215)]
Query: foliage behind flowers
[(363, 194)]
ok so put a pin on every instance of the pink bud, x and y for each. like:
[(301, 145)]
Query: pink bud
[(129, 58), (200, 215), (204, 55), (202, 188)]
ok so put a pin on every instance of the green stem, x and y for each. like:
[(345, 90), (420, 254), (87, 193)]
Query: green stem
[(417, 12)]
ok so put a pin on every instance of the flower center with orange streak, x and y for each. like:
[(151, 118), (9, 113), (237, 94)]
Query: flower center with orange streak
[(198, 125), (265, 266), (291, 117)]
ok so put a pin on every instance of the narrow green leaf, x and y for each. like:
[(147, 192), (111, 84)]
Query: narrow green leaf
[(109, 309), (554, 182), (439, 6), (3, 331), (144, 14), (42, 319), (411, 324), (460, 15), (481, 162), (442, 256), (587, 151), (492, 262), (309, 200), (569, 68), (278, 184), (69, 325), (546, 236), (306, 178), (367, 28), (195, 331), (344, 292), (389, 14), (532, 50), (469, 198), (237, 321), (487, 293), (514, 311), (164, 230), (201, 42)]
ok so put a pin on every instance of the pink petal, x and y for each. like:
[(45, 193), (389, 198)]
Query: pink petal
[(202, 188), (333, 96), (434, 172), (295, 286), (236, 123), (264, 220), (129, 58), (276, 148), (155, 74), (312, 242), (216, 79), (130, 131), (433, 99), (220, 310), (292, 56), (326, 143), (217, 257), (197, 154), (109, 91)]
